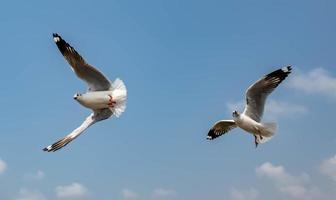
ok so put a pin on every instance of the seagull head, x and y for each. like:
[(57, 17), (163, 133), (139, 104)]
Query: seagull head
[(235, 114), (77, 95)]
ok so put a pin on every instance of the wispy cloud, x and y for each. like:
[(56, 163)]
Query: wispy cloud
[(250, 194), (274, 109), (164, 193), (278, 109), (128, 194), (26, 194), (316, 81), (238, 105), (328, 167), (295, 187), (39, 175), (73, 190), (278, 174), (3, 166)]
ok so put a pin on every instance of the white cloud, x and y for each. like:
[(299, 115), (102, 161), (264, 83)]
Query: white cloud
[(128, 194), (71, 191), (276, 173), (328, 167), (250, 194), (316, 81), (163, 193), (3, 166), (295, 187), (36, 176), (25, 194), (273, 108), (295, 191), (239, 106), (39, 174)]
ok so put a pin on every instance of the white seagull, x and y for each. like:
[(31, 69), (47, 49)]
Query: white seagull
[(103, 97), (249, 120)]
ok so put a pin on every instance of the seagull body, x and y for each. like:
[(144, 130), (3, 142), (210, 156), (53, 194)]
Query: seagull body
[(262, 130), (103, 97), (98, 100), (250, 119)]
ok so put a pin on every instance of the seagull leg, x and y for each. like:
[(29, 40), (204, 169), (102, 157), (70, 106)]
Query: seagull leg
[(256, 141), (111, 103)]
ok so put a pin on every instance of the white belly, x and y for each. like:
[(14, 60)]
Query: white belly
[(249, 125), (96, 100)]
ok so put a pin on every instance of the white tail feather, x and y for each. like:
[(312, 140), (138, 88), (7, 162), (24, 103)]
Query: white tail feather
[(119, 94), (267, 132), (269, 129)]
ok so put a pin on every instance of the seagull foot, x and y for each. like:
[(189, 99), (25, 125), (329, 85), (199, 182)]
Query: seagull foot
[(256, 141), (111, 103)]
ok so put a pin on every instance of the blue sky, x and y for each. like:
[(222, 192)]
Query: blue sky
[(186, 65)]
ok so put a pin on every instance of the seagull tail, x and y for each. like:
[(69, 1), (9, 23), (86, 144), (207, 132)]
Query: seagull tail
[(267, 132), (269, 129), (119, 94)]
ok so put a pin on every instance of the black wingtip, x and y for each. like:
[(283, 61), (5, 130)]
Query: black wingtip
[(287, 69), (61, 44), (55, 35), (46, 149), (211, 135), (57, 39), (58, 145), (280, 73)]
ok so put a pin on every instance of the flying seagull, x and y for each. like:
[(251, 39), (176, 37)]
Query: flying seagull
[(250, 119), (103, 97)]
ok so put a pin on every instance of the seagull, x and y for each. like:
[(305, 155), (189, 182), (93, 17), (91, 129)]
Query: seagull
[(104, 98), (250, 119)]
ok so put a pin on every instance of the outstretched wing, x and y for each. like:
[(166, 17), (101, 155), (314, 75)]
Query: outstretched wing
[(93, 118), (220, 128), (94, 78), (257, 93)]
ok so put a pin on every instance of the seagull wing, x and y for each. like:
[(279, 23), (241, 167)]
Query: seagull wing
[(220, 128), (94, 78), (91, 119), (257, 93)]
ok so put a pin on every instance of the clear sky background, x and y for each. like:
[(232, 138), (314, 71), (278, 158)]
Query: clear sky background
[(186, 64)]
